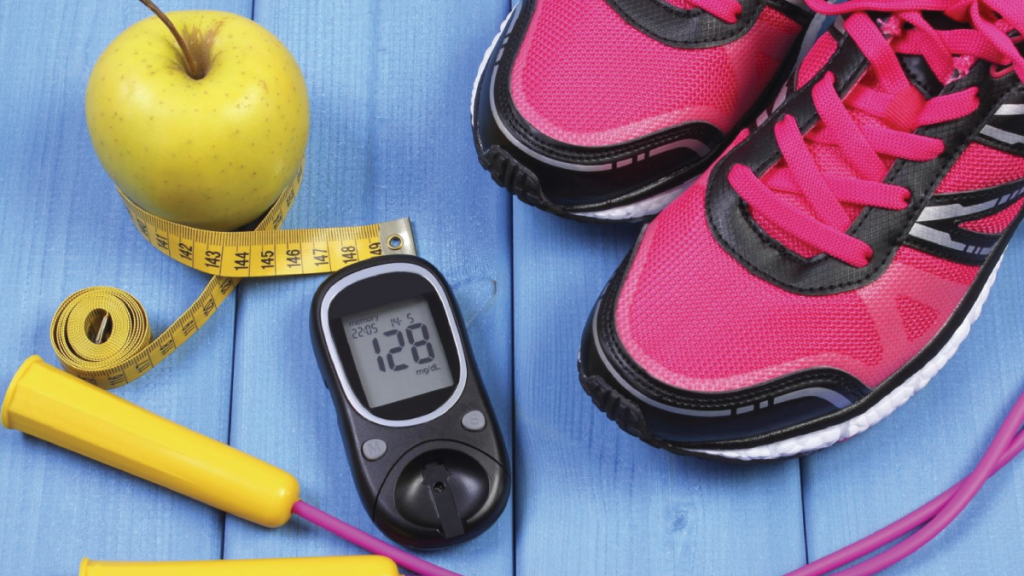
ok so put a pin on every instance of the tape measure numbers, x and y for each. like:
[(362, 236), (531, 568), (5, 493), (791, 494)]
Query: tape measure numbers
[(102, 335)]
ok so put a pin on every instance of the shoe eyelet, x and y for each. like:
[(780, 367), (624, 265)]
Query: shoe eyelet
[(998, 71), (867, 258)]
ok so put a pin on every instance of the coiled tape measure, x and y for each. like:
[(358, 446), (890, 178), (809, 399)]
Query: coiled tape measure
[(102, 335)]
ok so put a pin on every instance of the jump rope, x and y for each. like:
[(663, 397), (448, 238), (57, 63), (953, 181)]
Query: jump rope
[(52, 405)]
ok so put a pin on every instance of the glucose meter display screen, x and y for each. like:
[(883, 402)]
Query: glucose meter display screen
[(397, 351)]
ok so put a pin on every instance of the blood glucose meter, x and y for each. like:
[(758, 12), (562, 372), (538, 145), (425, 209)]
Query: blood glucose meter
[(422, 441)]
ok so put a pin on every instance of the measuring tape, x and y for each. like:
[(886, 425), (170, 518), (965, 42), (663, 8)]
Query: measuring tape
[(102, 335)]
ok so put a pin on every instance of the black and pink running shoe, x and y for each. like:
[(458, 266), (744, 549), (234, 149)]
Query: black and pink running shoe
[(608, 109), (832, 261)]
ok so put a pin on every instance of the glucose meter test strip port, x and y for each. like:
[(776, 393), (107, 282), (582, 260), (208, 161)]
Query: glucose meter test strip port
[(59, 408), (422, 440)]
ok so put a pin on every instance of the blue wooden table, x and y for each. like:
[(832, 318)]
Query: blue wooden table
[(389, 83)]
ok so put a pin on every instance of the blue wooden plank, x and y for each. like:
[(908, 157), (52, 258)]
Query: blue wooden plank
[(930, 443), (63, 228), (593, 500), (389, 84)]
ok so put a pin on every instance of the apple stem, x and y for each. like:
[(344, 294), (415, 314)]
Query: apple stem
[(190, 63)]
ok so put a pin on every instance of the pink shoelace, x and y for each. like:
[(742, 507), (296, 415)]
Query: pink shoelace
[(727, 11), (869, 149)]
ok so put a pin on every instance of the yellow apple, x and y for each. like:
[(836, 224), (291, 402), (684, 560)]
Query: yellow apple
[(212, 152)]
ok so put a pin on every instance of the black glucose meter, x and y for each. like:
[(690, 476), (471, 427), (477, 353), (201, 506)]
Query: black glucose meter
[(422, 440)]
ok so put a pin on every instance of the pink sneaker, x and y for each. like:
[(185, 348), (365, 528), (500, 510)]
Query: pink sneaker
[(832, 261), (607, 109)]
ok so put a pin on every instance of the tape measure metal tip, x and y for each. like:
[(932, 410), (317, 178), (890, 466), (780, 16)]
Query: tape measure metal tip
[(396, 237)]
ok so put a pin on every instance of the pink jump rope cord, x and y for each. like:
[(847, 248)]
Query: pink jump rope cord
[(367, 542), (933, 517)]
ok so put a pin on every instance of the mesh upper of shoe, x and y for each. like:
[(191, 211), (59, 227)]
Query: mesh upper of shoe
[(693, 317), (584, 76), (981, 167)]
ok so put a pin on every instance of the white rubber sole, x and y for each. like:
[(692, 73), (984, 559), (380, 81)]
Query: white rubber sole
[(826, 437)]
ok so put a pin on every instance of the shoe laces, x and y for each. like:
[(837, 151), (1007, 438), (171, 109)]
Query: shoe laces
[(727, 11), (895, 109)]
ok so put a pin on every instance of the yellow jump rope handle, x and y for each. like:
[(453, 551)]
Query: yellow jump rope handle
[(336, 566), (54, 406)]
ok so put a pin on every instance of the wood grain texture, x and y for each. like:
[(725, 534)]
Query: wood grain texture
[(389, 84), (63, 228), (591, 499), (928, 445)]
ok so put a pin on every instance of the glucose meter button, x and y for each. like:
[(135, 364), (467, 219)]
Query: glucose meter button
[(374, 449), (474, 421)]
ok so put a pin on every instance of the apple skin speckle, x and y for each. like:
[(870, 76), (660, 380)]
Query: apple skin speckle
[(168, 117)]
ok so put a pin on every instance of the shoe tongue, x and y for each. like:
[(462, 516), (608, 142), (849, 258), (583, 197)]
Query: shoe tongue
[(921, 75)]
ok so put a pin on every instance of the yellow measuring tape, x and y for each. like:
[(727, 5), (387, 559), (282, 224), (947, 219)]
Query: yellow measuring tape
[(102, 335)]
